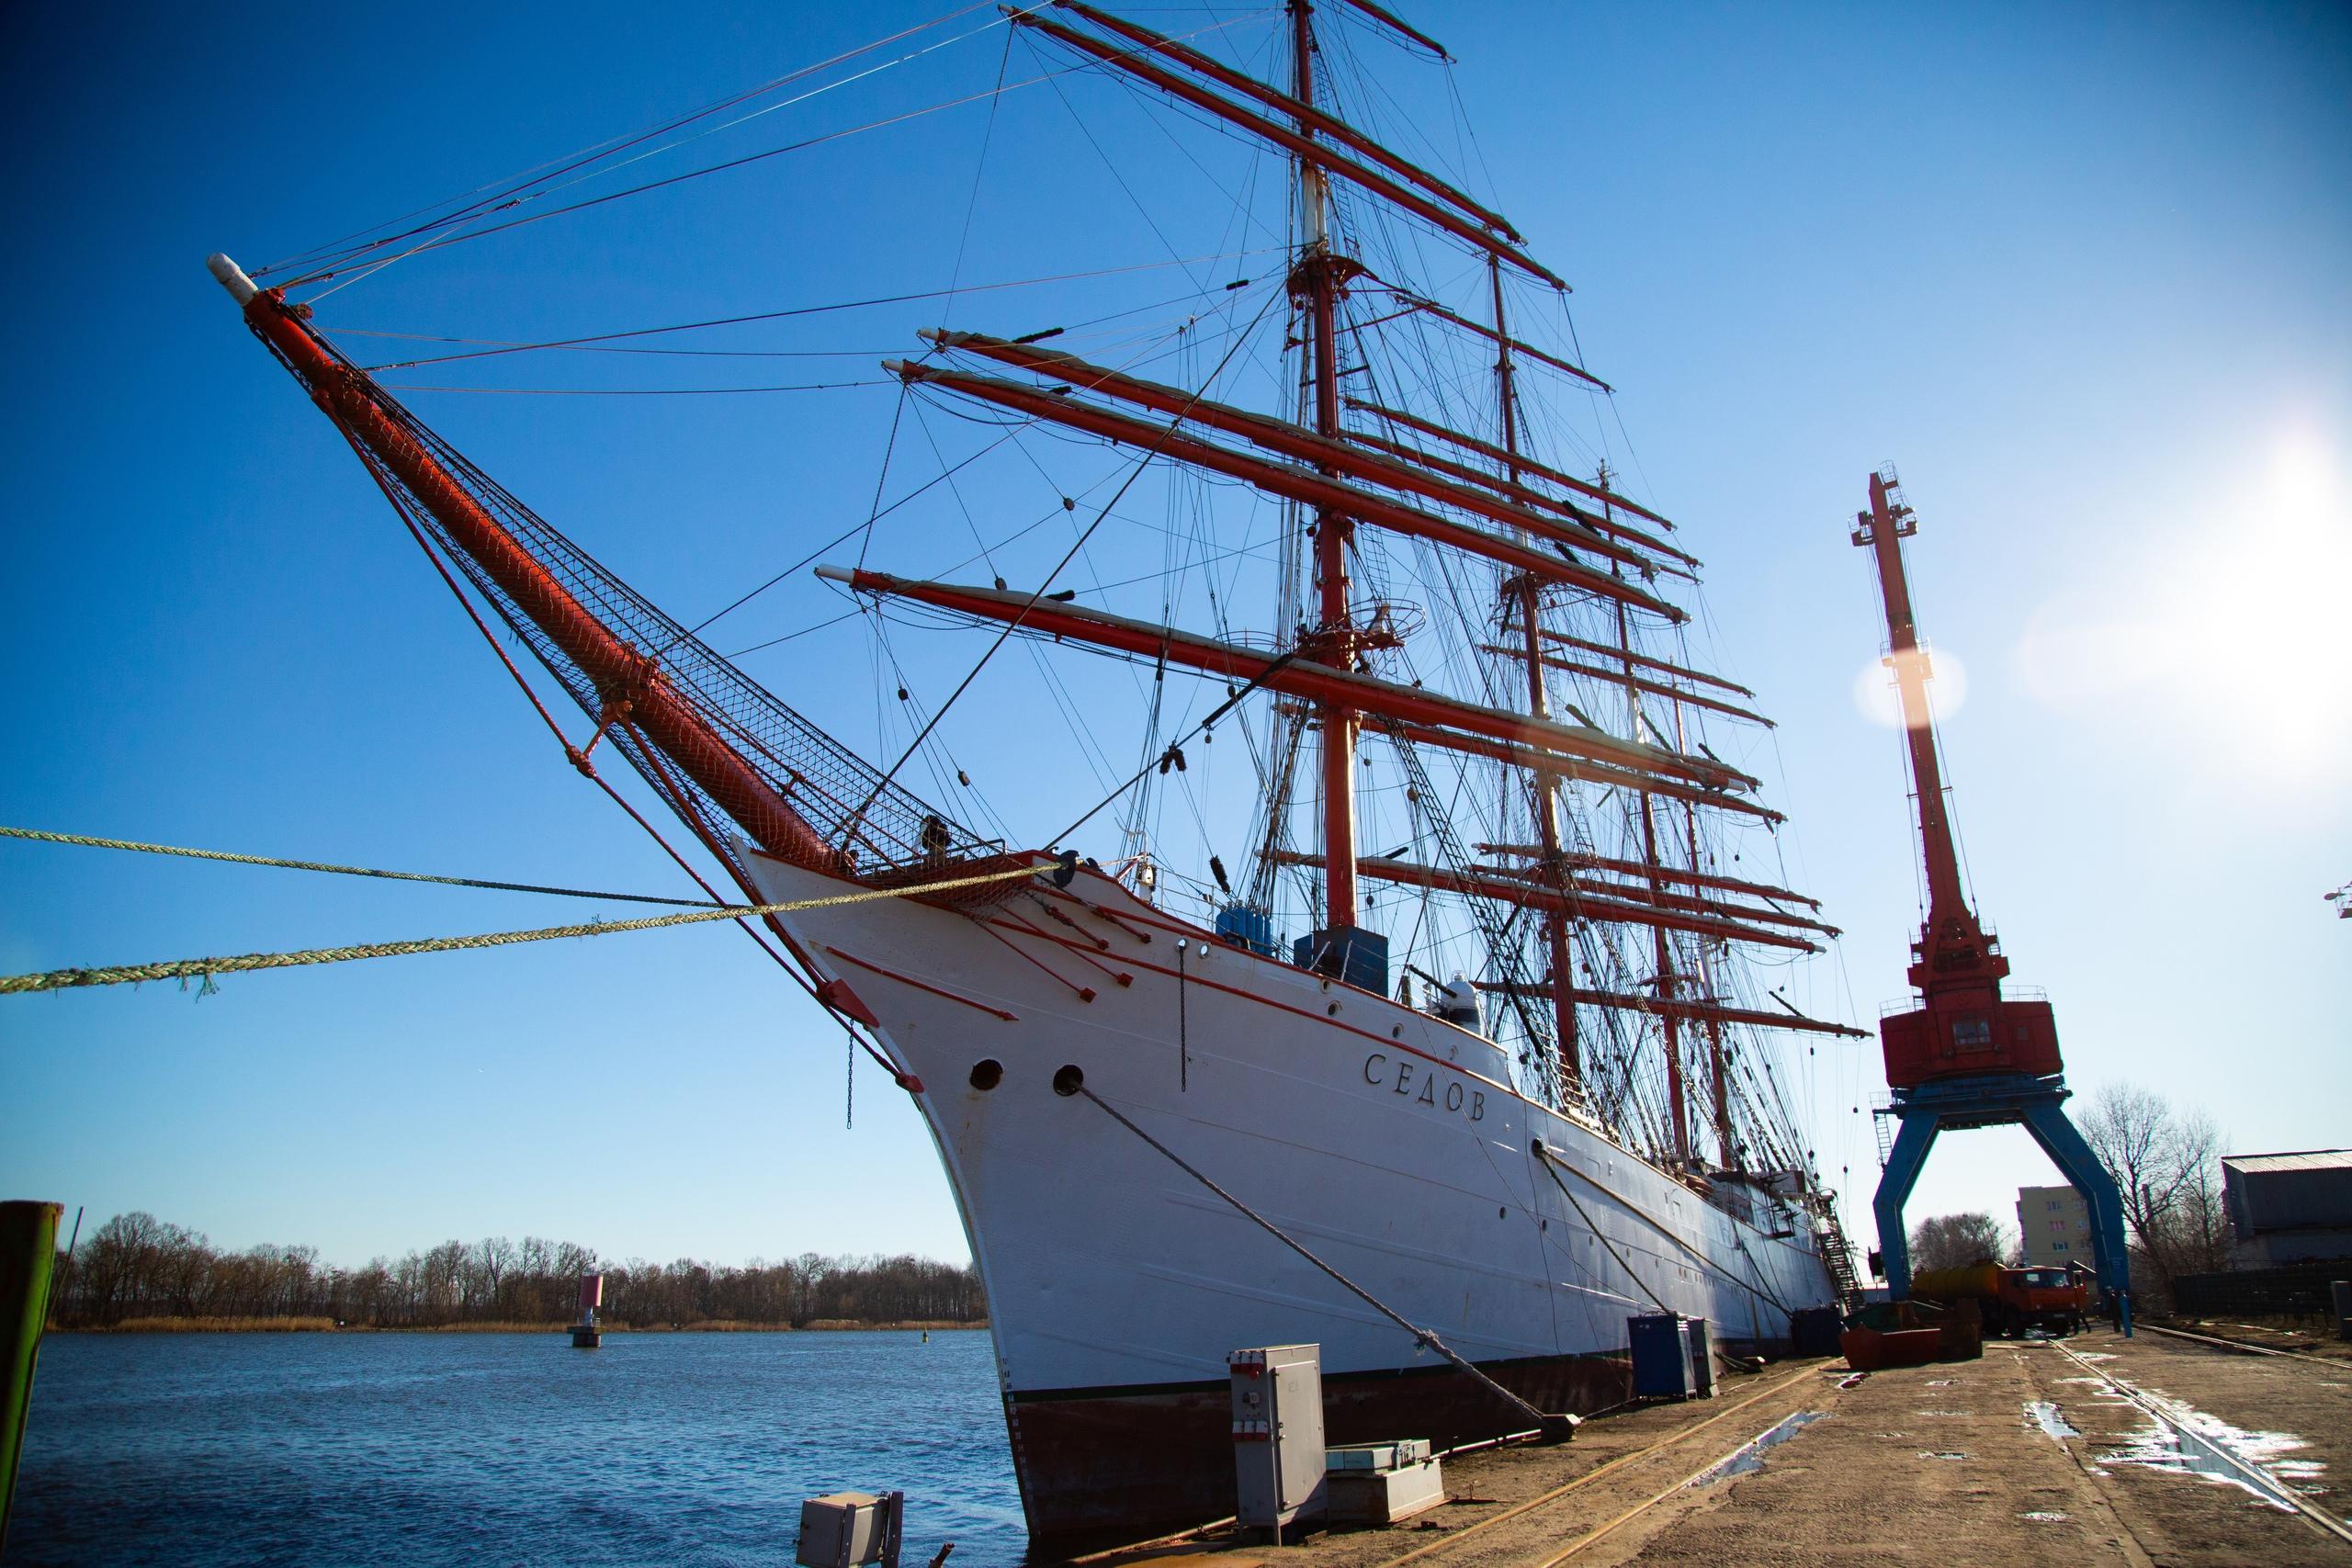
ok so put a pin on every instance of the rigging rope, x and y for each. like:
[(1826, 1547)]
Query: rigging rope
[(498, 348), (334, 266), (1134, 473), (1175, 748), (581, 761), (632, 391), (1543, 1157), (39, 836), (556, 167), (206, 968), (1561, 1425)]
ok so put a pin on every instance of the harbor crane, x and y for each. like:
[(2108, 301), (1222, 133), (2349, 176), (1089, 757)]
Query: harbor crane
[(1965, 1055)]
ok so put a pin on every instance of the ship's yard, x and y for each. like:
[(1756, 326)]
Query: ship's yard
[(2027, 1455)]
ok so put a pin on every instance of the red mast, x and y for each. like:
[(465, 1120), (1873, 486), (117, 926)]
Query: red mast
[(1957, 967), (1558, 949), (1662, 976), (1316, 281)]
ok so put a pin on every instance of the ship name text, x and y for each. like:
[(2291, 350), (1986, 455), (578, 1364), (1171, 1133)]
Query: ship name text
[(1421, 1085)]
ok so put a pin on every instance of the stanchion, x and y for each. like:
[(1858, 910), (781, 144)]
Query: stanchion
[(27, 1253)]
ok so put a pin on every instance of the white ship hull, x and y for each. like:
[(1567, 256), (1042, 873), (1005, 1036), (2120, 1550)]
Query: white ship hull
[(1386, 1141)]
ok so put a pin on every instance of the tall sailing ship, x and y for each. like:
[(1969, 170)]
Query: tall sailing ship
[(1470, 1056)]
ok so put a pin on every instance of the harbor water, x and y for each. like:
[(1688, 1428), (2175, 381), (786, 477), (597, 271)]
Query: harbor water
[(695, 1448)]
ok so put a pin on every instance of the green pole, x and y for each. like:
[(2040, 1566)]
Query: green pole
[(27, 1254)]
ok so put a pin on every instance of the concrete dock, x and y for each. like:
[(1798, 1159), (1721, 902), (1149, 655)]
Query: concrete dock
[(2041, 1453)]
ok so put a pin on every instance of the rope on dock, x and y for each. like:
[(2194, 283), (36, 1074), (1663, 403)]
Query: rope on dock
[(38, 836), (1549, 1425), (184, 969)]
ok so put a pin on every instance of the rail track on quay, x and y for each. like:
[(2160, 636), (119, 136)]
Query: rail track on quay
[(2169, 1416), (1805, 1377), (2248, 1347), (2208, 1454)]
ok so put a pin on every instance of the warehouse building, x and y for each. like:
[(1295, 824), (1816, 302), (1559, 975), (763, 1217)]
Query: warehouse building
[(2290, 1208)]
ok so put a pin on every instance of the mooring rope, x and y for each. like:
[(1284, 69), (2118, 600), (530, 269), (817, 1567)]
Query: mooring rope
[(1548, 1424), (206, 968), (87, 840), (1543, 1157), (1550, 1160)]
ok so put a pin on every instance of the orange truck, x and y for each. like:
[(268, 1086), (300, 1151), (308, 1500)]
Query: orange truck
[(2012, 1300)]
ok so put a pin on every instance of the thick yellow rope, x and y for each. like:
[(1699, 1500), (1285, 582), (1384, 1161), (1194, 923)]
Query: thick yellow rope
[(38, 836), (206, 968)]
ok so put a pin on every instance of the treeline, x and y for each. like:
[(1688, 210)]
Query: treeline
[(137, 1268)]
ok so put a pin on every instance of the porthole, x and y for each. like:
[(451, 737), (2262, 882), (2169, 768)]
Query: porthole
[(987, 1073), (1069, 1081)]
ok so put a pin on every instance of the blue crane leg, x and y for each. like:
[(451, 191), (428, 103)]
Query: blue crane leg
[(1903, 1164), (2055, 1132)]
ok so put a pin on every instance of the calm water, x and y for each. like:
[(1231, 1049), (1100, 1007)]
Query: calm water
[(503, 1448)]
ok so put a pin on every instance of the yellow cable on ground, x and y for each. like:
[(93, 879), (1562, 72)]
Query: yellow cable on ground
[(1589, 1477), (1628, 1516), (205, 968)]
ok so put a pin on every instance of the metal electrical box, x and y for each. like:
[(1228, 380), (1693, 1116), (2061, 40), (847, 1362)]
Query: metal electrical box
[(848, 1530), (1701, 1337), (1278, 1453), (1379, 1484), (1662, 1368)]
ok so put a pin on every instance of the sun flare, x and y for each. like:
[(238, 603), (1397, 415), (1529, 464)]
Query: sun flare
[(1875, 693), (2236, 632)]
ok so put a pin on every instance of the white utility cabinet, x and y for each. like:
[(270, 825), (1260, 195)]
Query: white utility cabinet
[(1278, 1452)]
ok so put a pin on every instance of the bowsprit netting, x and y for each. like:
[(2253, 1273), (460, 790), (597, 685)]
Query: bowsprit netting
[(875, 826)]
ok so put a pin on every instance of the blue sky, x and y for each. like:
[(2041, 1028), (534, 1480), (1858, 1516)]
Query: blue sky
[(2084, 273)]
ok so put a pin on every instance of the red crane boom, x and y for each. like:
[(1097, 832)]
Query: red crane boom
[(1964, 1026)]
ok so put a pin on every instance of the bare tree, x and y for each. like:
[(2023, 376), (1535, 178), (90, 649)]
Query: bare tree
[(1955, 1241), (2167, 1165), (2196, 1230)]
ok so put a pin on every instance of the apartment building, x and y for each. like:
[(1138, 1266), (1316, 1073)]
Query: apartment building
[(2056, 1225)]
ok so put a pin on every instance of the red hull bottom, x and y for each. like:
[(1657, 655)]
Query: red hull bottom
[(1118, 1465)]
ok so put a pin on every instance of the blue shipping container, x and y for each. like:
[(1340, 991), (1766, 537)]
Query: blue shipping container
[(1661, 1356)]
